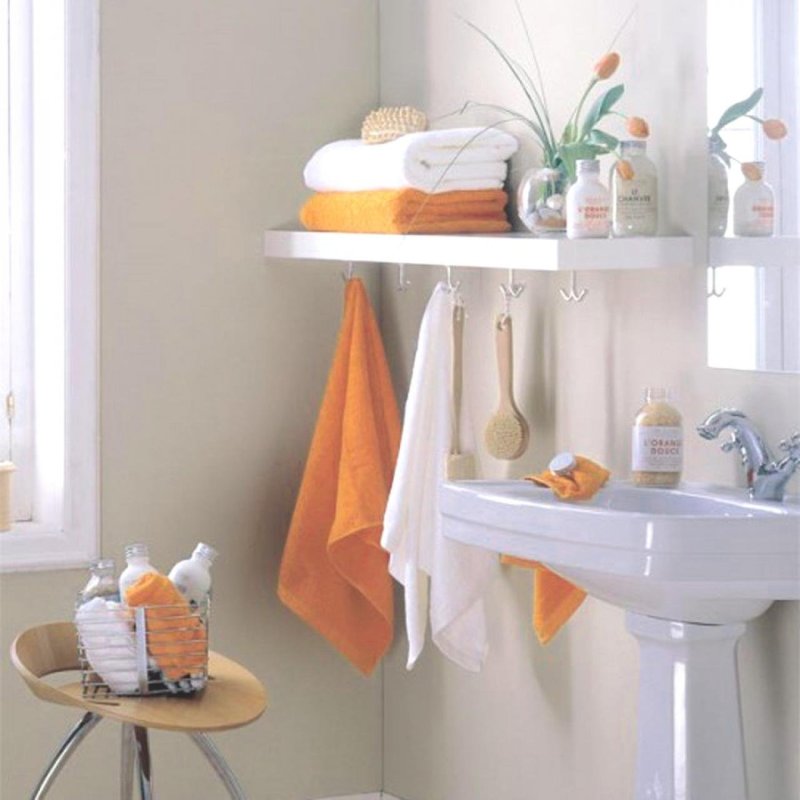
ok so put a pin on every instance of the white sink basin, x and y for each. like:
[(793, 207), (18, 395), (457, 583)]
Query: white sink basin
[(693, 554)]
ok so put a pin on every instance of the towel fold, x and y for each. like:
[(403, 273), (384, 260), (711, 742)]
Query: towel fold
[(406, 211), (176, 636), (334, 574), (555, 599), (439, 575), (431, 161)]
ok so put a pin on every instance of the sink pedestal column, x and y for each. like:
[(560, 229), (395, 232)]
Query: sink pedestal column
[(690, 730)]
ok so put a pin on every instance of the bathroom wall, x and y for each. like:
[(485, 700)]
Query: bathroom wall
[(213, 362), (559, 722)]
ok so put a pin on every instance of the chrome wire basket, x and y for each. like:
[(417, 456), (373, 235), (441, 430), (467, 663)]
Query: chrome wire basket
[(149, 650)]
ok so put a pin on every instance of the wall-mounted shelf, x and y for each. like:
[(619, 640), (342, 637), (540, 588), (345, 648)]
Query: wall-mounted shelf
[(496, 251), (764, 251)]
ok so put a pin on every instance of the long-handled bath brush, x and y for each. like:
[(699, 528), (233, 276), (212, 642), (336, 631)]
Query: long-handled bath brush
[(458, 466), (507, 434)]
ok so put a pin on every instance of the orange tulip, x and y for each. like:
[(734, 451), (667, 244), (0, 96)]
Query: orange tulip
[(625, 169), (774, 128), (606, 66), (638, 127), (751, 171)]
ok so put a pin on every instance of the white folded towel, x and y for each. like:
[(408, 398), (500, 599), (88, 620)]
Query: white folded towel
[(432, 161), (106, 633), (420, 555)]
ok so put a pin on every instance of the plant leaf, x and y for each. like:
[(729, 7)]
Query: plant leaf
[(602, 139), (738, 110), (570, 153), (601, 106)]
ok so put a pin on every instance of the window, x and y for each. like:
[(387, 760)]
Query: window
[(48, 234)]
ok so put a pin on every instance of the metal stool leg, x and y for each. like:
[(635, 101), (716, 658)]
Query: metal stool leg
[(212, 753), (143, 761), (127, 762), (73, 739)]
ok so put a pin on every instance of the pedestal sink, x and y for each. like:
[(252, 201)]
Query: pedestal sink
[(691, 566)]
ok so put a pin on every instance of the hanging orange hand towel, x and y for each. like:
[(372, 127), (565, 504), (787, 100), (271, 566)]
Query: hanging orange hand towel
[(555, 600), (334, 573), (176, 636)]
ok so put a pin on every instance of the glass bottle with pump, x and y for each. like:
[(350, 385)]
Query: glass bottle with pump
[(588, 213), (102, 582), (138, 558), (634, 201), (192, 576), (657, 444)]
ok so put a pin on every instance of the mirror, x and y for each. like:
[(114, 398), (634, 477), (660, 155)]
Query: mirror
[(754, 248)]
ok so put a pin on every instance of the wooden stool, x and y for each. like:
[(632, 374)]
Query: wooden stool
[(232, 698)]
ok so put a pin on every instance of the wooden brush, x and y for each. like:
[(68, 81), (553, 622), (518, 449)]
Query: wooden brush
[(458, 466), (507, 434)]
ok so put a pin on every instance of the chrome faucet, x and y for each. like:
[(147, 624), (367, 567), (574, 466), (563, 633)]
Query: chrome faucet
[(766, 477)]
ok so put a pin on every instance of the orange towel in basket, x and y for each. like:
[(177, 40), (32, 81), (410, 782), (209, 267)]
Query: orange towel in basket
[(334, 574), (407, 211), (176, 636)]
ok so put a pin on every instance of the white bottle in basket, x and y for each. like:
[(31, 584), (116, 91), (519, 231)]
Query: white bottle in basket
[(192, 576), (138, 559)]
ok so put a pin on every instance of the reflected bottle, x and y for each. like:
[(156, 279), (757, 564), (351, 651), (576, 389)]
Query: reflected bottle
[(754, 203), (719, 199)]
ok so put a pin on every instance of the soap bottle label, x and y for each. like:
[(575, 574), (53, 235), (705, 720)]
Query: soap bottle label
[(657, 449), (635, 205)]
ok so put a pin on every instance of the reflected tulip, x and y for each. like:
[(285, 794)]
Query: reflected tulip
[(774, 128)]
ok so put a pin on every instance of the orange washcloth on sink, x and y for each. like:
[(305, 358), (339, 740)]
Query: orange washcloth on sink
[(176, 636), (555, 600), (407, 211)]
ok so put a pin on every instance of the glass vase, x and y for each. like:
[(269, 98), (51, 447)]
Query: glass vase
[(541, 201)]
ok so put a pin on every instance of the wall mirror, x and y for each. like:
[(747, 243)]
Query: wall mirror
[(754, 278)]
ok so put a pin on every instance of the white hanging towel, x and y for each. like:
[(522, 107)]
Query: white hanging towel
[(439, 573), (458, 159)]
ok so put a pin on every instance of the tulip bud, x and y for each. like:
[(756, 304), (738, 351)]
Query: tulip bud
[(751, 171), (606, 66), (774, 128), (638, 127), (625, 169)]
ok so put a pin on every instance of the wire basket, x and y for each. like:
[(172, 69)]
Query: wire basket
[(150, 650)]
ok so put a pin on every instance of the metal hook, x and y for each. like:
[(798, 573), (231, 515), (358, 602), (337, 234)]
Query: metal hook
[(452, 286), (510, 291), (714, 292), (573, 295), (402, 282), (347, 274)]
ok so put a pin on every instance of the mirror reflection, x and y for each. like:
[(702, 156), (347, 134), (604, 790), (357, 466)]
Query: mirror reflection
[(753, 180)]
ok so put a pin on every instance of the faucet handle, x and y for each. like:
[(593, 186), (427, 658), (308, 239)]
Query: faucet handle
[(731, 444), (791, 446)]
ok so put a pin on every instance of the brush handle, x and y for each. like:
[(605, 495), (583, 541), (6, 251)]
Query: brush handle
[(505, 361), (457, 375)]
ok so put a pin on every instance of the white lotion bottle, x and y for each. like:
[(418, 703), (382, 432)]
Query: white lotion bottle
[(192, 576), (588, 204), (634, 201), (138, 558), (754, 203)]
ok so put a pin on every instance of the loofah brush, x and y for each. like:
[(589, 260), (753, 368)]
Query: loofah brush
[(388, 123), (507, 434), (458, 466)]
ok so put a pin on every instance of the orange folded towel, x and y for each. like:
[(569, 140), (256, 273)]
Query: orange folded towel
[(555, 600), (176, 636), (334, 574), (407, 211)]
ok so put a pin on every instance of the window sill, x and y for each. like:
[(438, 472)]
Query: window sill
[(31, 546)]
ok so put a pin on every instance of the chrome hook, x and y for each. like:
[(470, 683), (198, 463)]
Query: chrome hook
[(402, 282), (714, 292), (347, 274), (452, 286), (573, 295), (510, 291)]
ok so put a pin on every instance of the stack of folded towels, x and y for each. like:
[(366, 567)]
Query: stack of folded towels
[(448, 181)]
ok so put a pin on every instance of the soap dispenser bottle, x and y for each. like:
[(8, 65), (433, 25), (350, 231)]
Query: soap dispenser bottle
[(192, 576), (657, 445)]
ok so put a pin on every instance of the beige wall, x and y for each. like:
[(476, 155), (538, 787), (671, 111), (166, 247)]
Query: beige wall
[(559, 722), (212, 366)]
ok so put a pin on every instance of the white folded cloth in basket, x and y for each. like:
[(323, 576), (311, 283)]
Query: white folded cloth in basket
[(106, 633), (458, 159)]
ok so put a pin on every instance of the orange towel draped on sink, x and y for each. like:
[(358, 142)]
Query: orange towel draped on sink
[(407, 211), (334, 573), (555, 600)]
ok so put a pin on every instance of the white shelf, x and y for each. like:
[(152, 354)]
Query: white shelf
[(495, 251), (765, 251)]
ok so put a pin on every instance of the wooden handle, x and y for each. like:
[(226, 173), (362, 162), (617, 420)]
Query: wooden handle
[(505, 360), (457, 379)]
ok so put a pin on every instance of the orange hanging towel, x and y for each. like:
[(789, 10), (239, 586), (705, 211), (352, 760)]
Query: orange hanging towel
[(334, 573), (555, 600), (176, 636)]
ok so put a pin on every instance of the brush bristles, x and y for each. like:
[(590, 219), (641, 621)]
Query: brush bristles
[(505, 437), (459, 467), (388, 123)]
